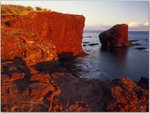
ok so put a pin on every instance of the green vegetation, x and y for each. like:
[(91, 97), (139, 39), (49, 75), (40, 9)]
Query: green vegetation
[(19, 10)]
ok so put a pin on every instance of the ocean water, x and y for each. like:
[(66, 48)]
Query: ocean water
[(121, 62)]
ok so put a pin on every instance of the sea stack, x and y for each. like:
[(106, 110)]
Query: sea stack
[(117, 36)]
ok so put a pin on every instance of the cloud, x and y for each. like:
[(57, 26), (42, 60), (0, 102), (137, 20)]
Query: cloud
[(146, 24), (137, 24), (133, 26)]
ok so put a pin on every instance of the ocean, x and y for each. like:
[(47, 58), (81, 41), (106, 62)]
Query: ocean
[(122, 62)]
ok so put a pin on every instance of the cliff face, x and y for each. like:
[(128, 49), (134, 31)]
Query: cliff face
[(64, 30), (36, 40)]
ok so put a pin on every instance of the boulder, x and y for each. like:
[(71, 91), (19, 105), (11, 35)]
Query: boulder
[(144, 82), (140, 48), (117, 36), (127, 97)]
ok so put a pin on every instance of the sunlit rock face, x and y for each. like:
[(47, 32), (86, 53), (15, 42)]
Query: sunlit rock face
[(32, 39), (63, 30), (25, 89), (24, 44), (117, 36), (127, 96)]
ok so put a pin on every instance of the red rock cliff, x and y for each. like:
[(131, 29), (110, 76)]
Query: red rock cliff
[(64, 30)]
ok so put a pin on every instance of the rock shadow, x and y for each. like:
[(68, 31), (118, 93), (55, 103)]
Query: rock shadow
[(65, 63), (17, 65)]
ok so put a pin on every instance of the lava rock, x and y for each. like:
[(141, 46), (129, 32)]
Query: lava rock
[(144, 82), (117, 36), (141, 48), (127, 96), (93, 44)]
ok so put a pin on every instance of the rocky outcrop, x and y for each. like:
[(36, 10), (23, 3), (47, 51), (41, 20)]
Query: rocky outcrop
[(127, 96), (63, 30), (144, 83), (32, 39), (31, 81), (117, 36), (25, 89), (20, 43)]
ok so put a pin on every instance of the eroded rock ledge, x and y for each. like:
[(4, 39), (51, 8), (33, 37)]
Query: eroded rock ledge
[(63, 30), (28, 89)]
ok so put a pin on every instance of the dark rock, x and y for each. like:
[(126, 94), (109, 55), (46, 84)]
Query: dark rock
[(85, 42), (140, 48), (84, 45), (7, 24), (133, 41), (117, 36), (144, 82), (93, 44)]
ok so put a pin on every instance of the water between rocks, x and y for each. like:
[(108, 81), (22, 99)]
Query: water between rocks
[(108, 65)]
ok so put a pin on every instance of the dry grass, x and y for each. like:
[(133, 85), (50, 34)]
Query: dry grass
[(15, 9), (19, 10)]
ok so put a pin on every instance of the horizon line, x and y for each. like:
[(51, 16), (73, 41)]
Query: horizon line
[(128, 30)]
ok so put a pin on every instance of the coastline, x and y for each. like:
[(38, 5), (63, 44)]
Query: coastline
[(39, 71), (68, 89)]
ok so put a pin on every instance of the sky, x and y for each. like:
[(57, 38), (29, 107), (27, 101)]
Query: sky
[(99, 14)]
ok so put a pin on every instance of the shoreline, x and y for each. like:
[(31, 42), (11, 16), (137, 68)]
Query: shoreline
[(39, 72), (71, 90)]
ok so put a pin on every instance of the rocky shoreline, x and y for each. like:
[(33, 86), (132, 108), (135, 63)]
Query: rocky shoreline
[(34, 76), (29, 89)]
